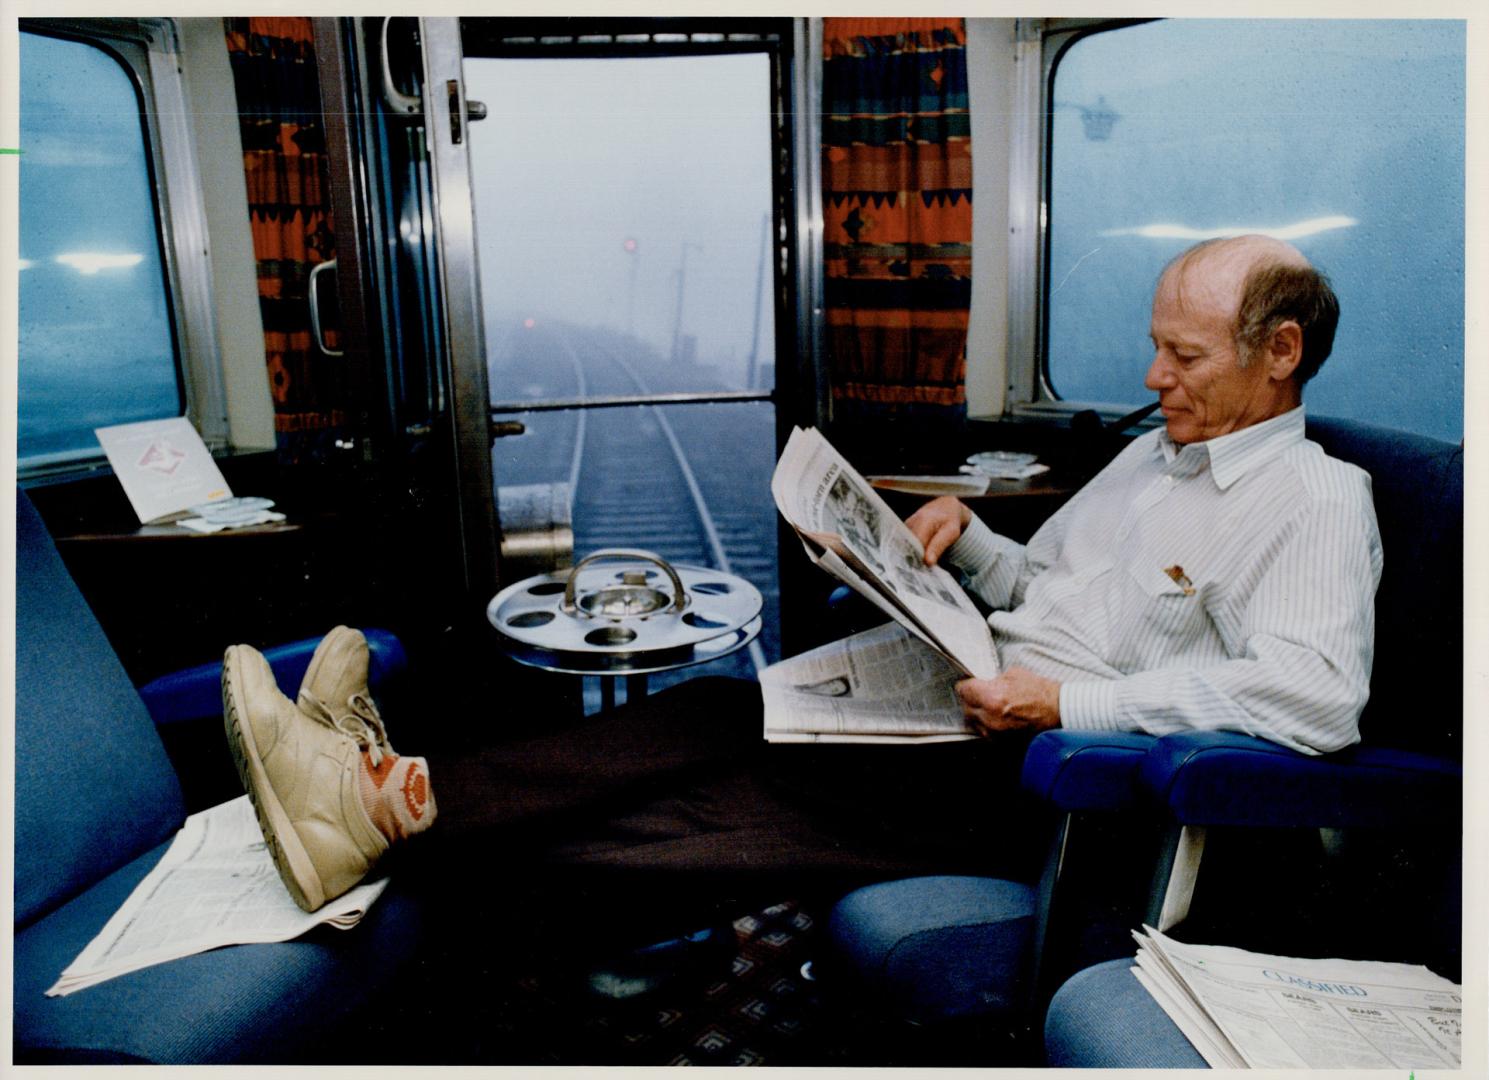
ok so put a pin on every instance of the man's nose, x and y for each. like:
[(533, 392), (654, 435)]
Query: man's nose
[(1160, 374)]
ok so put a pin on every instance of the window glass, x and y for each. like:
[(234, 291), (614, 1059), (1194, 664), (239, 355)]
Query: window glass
[(96, 342), (631, 194), (1344, 137)]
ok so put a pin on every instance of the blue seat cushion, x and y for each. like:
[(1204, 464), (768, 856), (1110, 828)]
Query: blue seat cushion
[(1085, 770), (244, 1003), (1225, 778), (94, 787), (1102, 1018), (196, 692), (936, 948)]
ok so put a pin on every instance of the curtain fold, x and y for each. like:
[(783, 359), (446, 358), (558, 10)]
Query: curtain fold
[(279, 116), (897, 210)]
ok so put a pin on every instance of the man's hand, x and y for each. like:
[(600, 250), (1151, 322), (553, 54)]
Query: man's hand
[(937, 525), (1017, 700)]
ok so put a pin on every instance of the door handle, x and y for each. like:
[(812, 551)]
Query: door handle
[(398, 102), (501, 429), (313, 298)]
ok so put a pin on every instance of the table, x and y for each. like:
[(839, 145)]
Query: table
[(627, 622)]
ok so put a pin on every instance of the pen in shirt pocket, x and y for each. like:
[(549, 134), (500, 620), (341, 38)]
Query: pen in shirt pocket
[(1181, 579)]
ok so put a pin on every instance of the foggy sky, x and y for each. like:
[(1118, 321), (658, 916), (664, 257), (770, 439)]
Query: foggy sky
[(577, 156)]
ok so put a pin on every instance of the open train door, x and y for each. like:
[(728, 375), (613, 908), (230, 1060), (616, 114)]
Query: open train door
[(409, 299), (599, 261)]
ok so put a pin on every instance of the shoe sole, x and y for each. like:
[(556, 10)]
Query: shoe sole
[(290, 857)]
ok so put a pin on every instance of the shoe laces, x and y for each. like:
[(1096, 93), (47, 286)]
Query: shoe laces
[(360, 722)]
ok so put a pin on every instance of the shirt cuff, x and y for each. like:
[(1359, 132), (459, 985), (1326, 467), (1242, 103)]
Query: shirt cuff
[(979, 548), (1090, 706)]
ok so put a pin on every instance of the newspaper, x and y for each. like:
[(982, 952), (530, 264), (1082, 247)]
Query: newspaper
[(850, 532), (1248, 1010), (880, 685), (216, 885)]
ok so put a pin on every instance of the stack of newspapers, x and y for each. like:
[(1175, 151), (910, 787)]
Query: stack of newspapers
[(1248, 1010), (216, 885)]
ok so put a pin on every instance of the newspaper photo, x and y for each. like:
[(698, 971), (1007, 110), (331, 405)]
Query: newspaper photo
[(216, 885), (882, 684), (852, 533), (1249, 1010)]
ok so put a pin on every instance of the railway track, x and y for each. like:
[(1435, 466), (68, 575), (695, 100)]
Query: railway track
[(688, 482)]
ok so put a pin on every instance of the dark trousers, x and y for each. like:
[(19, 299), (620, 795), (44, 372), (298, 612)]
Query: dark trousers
[(678, 800)]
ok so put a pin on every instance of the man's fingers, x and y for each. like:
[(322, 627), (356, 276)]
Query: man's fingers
[(944, 536)]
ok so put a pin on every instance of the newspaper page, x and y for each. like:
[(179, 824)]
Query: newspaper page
[(216, 885), (846, 525), (1244, 1009), (879, 685)]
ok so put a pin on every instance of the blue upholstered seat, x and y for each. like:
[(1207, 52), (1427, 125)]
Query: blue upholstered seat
[(1406, 774), (1102, 1018), (937, 948), (97, 803)]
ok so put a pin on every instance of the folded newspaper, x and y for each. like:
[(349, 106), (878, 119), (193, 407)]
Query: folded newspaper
[(216, 885), (883, 685), (896, 686), (1248, 1010)]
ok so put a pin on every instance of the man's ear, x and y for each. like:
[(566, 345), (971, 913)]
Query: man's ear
[(1283, 351)]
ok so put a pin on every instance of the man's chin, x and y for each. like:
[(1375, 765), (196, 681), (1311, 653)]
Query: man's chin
[(1180, 430)]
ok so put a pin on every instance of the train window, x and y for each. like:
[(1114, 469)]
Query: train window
[(117, 322), (1344, 137), (96, 339), (623, 206)]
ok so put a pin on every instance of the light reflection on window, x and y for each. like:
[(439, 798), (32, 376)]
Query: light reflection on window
[(1348, 141), (96, 343)]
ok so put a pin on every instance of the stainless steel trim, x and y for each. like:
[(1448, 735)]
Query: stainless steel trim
[(806, 92), (313, 299), (1026, 212), (460, 287), (612, 401)]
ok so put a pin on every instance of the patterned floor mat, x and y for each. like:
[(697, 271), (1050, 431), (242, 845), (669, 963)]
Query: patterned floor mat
[(759, 1010)]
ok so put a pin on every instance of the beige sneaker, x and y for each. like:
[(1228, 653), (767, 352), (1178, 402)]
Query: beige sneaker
[(302, 776), (334, 690)]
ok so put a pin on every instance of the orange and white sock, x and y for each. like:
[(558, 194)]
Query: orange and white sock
[(397, 795)]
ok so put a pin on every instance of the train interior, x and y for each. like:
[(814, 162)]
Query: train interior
[(472, 299)]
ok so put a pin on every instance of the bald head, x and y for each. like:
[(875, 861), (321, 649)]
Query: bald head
[(1263, 283)]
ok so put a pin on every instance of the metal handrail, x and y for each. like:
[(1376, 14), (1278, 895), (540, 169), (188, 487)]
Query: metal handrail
[(615, 401)]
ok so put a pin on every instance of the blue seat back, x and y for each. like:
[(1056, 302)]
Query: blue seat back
[(1416, 697), (93, 788)]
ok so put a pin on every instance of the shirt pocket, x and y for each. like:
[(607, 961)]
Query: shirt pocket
[(1153, 620)]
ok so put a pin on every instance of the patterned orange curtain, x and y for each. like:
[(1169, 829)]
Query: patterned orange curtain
[(897, 208), (279, 109)]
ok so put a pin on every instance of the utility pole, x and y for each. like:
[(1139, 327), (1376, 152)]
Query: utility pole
[(750, 372), (682, 277), (634, 250)]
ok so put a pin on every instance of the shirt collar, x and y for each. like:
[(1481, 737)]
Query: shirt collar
[(1233, 456)]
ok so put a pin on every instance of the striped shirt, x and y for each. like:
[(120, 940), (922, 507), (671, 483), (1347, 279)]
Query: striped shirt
[(1224, 585)]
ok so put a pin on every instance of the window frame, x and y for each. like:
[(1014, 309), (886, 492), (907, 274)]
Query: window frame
[(1039, 45), (795, 87), (150, 53)]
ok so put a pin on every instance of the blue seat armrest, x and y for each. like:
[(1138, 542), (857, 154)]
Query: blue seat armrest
[(1225, 778), (1085, 770), (197, 692)]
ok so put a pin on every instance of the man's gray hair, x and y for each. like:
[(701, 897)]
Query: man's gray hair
[(1275, 291)]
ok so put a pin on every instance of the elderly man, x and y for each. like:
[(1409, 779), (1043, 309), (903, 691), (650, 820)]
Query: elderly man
[(1217, 574)]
